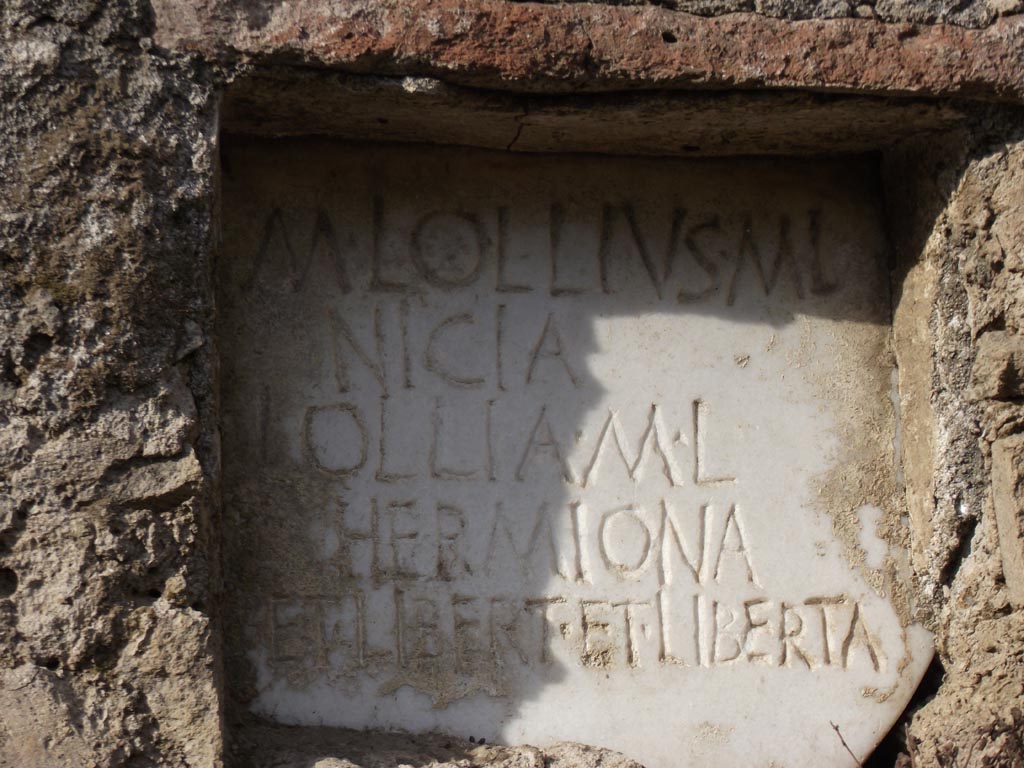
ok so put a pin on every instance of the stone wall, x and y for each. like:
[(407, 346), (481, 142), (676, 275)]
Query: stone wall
[(963, 286), (109, 551), (108, 451)]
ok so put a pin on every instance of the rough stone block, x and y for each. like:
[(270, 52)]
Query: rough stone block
[(1008, 500), (998, 371)]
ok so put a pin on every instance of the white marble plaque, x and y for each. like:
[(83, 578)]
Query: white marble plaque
[(564, 448)]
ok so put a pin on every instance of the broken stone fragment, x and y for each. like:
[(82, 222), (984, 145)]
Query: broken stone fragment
[(998, 371), (1008, 500)]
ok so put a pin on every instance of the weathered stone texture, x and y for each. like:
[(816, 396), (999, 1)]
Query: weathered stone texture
[(1008, 502), (966, 300), (572, 48), (998, 372), (284, 103), (275, 746), (104, 224), (968, 14), (107, 420)]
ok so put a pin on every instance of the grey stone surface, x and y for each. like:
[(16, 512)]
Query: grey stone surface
[(509, 435)]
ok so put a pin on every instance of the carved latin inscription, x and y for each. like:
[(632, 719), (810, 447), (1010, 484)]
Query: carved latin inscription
[(445, 250), (508, 435)]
